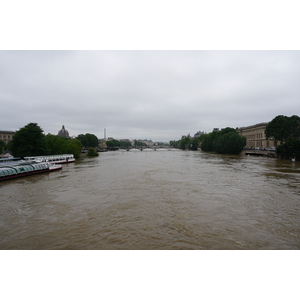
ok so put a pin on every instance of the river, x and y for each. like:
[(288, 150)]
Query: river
[(155, 200)]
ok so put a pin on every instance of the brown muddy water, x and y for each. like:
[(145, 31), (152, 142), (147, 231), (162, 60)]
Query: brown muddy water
[(155, 200)]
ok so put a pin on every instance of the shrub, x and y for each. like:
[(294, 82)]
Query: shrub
[(92, 152)]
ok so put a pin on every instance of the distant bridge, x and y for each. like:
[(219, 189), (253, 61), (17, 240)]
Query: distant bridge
[(141, 148)]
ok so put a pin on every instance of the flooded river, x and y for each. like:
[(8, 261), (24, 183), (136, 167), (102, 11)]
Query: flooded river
[(155, 200)]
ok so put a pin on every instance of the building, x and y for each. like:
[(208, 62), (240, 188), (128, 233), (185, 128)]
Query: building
[(6, 136), (64, 132), (198, 134), (255, 135), (186, 136)]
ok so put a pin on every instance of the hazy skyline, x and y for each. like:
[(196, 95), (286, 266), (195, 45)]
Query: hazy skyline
[(158, 95)]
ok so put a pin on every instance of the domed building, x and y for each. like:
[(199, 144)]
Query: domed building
[(64, 132)]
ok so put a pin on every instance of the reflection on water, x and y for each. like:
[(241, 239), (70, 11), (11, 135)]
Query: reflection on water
[(155, 200)]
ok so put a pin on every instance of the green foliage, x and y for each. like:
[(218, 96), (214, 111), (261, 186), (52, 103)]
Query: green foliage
[(55, 144), (8, 146), (118, 144), (59, 145), (2, 144), (226, 141), (230, 143), (110, 144), (185, 143), (282, 128), (92, 152), (291, 148), (123, 144), (195, 143), (208, 141), (28, 141), (174, 144), (287, 131), (88, 140), (73, 146), (139, 144)]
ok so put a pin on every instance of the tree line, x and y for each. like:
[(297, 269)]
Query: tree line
[(187, 143), (117, 144), (286, 130), (226, 141), (30, 140), (124, 144)]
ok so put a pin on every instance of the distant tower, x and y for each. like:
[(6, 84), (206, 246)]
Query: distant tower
[(63, 132), (105, 133)]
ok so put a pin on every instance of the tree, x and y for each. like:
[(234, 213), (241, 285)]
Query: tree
[(139, 144), (28, 141), (55, 144), (125, 144), (208, 141), (226, 141), (291, 148), (282, 128), (73, 146), (2, 144), (286, 130), (174, 144), (88, 140), (92, 152), (195, 143), (185, 143), (110, 144), (230, 143)]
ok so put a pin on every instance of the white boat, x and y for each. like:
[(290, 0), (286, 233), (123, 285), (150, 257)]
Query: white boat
[(54, 159), (15, 170), (10, 159)]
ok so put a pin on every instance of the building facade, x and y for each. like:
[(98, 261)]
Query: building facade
[(6, 136), (198, 134), (255, 135)]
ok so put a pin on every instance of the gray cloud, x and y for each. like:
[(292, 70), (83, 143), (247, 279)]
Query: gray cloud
[(146, 94)]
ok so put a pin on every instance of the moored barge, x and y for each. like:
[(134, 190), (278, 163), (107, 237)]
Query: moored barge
[(15, 170), (54, 159)]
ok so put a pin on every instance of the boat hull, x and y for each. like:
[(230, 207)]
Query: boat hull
[(63, 162), (14, 176)]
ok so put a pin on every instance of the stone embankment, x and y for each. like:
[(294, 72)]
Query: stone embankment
[(269, 153)]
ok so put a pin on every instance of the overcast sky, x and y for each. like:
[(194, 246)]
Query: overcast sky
[(158, 95)]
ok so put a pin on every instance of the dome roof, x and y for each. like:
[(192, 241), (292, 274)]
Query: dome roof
[(63, 132)]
